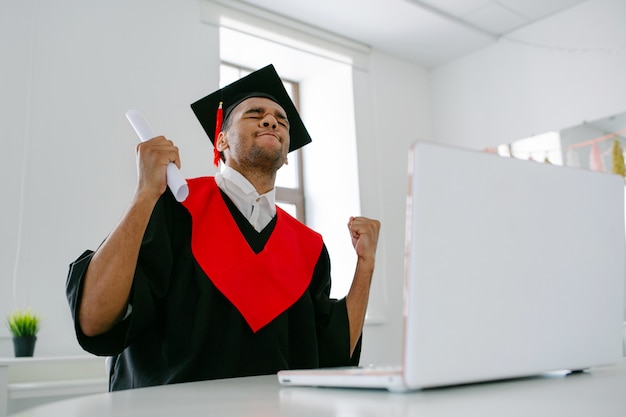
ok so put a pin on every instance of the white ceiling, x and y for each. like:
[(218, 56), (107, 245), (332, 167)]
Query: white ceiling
[(426, 32)]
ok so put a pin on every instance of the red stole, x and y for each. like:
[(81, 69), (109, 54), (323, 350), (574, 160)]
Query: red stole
[(261, 286)]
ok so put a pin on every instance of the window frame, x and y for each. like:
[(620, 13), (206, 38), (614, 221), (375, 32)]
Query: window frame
[(286, 195)]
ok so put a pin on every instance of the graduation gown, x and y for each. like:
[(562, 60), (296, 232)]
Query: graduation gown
[(183, 328)]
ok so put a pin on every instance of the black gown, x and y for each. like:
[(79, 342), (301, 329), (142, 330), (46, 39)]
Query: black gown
[(183, 329)]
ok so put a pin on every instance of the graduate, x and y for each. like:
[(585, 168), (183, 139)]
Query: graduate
[(224, 284)]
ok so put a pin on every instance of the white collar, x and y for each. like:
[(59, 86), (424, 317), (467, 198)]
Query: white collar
[(259, 209)]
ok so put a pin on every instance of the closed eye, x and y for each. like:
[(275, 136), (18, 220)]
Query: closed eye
[(253, 114), (282, 120), (259, 113)]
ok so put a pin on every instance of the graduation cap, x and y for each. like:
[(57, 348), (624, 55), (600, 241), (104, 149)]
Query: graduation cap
[(266, 83)]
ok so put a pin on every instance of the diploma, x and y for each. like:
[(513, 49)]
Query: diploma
[(175, 179)]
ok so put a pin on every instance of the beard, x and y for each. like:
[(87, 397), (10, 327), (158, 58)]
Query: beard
[(265, 159), (261, 158)]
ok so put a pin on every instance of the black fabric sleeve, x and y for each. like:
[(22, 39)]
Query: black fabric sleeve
[(102, 345), (150, 282), (333, 327)]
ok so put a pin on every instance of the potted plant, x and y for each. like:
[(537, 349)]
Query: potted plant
[(24, 325)]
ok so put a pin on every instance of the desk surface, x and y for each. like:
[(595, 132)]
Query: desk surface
[(601, 392)]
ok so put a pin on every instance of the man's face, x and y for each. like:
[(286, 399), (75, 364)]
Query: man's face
[(258, 135)]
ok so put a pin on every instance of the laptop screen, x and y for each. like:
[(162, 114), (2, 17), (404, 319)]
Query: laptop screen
[(513, 267)]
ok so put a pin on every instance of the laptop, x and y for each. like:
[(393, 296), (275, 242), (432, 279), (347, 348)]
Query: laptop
[(513, 268)]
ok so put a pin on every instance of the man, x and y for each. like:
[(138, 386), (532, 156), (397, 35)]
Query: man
[(225, 284)]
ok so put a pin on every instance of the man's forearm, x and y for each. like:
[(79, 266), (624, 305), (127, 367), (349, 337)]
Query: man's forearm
[(357, 299), (108, 279)]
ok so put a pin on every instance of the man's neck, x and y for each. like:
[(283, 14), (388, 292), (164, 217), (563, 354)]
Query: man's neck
[(261, 180)]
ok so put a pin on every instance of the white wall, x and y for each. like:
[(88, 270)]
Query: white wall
[(71, 68), (392, 111), (75, 68), (558, 73)]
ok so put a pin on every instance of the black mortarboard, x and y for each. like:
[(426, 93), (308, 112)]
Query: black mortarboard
[(261, 83)]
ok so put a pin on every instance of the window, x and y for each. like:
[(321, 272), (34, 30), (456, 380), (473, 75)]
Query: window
[(327, 167), (289, 180), (542, 148)]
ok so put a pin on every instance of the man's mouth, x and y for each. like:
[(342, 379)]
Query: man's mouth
[(272, 134)]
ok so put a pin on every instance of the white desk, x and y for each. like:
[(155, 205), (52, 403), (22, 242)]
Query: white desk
[(601, 392)]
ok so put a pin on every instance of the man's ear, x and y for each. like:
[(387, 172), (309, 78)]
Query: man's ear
[(222, 141)]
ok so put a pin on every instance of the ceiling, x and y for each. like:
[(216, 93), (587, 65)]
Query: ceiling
[(426, 32)]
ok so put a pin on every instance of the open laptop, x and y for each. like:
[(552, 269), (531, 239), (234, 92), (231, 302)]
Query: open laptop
[(512, 268)]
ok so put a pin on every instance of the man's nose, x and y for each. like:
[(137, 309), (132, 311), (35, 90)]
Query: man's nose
[(269, 121)]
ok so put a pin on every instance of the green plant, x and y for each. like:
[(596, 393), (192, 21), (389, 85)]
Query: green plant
[(23, 322)]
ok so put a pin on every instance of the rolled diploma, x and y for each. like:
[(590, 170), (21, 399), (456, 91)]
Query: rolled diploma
[(175, 179)]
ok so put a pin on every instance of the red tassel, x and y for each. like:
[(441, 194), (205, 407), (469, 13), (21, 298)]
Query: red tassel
[(218, 129)]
